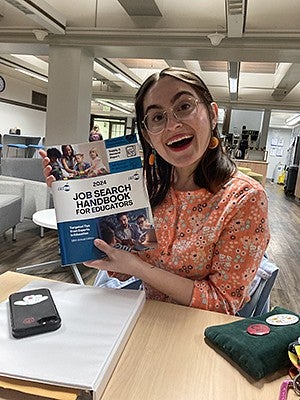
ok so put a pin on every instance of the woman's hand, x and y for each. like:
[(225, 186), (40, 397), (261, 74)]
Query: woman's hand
[(175, 286), (116, 261), (47, 168)]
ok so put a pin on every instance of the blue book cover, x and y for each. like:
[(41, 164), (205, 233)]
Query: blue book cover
[(100, 193)]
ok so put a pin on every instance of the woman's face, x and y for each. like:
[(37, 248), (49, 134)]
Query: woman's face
[(181, 143), (68, 150)]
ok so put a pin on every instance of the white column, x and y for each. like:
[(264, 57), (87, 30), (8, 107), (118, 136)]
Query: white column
[(69, 95), (265, 123)]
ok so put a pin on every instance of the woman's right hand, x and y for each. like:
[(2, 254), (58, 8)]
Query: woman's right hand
[(47, 168)]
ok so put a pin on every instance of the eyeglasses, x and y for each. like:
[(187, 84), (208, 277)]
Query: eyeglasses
[(155, 121)]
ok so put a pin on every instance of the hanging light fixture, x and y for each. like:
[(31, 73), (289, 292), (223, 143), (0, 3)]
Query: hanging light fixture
[(291, 121)]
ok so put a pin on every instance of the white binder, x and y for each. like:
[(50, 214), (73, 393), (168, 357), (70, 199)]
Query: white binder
[(96, 324)]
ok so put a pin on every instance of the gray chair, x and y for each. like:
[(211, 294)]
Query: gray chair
[(11, 205), (260, 290)]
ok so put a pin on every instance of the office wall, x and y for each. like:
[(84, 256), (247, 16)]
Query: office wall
[(278, 139), (31, 122), (278, 142), (251, 119)]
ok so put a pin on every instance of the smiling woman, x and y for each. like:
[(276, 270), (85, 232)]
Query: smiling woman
[(186, 138), (210, 220)]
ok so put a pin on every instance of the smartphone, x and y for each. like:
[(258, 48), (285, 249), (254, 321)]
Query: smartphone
[(33, 312)]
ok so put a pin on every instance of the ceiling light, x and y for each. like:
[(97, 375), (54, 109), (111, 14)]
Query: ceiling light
[(233, 85), (119, 74), (236, 11), (233, 79), (216, 38), (291, 121), (112, 105), (33, 74), (127, 80), (42, 13)]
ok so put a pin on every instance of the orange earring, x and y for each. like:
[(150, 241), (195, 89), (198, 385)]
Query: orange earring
[(214, 142), (152, 158)]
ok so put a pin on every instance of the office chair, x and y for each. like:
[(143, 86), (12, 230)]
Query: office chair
[(12, 196), (260, 290), (34, 147), (16, 146)]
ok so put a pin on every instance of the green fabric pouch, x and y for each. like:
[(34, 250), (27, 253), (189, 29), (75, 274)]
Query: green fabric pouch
[(258, 356)]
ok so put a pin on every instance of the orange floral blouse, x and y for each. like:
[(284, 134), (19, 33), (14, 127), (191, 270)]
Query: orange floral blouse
[(218, 240)]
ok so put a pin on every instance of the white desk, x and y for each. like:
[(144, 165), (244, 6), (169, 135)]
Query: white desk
[(47, 219)]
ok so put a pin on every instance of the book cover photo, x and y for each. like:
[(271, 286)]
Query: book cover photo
[(99, 192)]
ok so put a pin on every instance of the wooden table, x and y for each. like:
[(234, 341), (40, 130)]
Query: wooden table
[(166, 358)]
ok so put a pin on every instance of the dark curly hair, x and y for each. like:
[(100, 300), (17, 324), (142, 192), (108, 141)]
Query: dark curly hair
[(213, 169), (54, 152)]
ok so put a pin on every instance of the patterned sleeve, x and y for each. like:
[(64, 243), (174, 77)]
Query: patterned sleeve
[(237, 254)]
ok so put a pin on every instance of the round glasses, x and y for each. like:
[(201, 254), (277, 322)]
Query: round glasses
[(155, 121)]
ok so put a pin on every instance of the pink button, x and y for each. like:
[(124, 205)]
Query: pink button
[(258, 329)]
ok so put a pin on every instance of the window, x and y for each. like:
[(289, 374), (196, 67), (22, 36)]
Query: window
[(109, 127)]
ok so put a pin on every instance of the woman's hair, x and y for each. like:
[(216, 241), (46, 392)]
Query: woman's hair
[(64, 151), (213, 169)]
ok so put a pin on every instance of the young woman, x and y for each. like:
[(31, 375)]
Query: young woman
[(68, 158), (210, 220)]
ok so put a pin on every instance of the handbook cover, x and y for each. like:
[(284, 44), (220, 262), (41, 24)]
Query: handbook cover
[(100, 193)]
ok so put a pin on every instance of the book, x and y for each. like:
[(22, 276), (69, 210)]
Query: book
[(82, 354), (100, 192)]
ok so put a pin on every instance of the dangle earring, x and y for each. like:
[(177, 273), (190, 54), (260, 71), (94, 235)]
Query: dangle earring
[(151, 159), (214, 142)]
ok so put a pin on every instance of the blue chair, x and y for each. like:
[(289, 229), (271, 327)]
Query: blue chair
[(260, 290), (16, 146), (35, 147)]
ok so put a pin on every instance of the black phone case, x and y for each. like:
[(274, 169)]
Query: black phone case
[(33, 312)]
